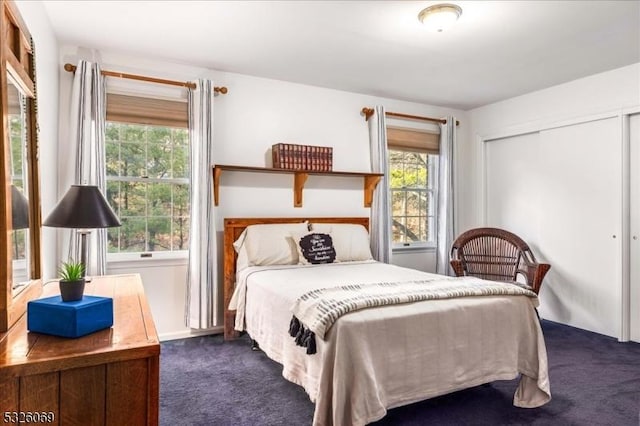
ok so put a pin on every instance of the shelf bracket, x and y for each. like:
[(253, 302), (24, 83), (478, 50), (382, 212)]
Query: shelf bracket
[(298, 185), (217, 171), (370, 183)]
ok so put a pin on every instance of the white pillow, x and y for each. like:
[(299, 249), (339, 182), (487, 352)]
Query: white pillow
[(314, 248), (242, 261), (351, 241), (268, 244)]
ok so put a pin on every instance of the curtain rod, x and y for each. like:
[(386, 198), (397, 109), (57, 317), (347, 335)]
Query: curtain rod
[(368, 112), (223, 90)]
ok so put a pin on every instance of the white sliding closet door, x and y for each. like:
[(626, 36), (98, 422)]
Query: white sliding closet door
[(512, 192), (560, 190), (580, 222), (634, 255)]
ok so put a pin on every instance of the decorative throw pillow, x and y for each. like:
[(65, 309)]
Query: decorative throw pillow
[(351, 241), (315, 248)]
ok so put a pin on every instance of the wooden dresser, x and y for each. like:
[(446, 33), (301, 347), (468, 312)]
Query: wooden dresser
[(110, 377)]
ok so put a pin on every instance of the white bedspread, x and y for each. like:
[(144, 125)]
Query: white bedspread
[(380, 358)]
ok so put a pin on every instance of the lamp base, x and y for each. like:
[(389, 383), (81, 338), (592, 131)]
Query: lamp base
[(83, 234)]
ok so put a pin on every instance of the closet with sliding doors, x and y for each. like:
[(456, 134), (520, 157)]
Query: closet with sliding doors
[(572, 190)]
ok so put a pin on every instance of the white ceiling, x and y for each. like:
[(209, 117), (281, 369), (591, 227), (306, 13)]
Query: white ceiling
[(497, 50)]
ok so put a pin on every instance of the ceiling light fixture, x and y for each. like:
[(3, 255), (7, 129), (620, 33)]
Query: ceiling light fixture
[(439, 17)]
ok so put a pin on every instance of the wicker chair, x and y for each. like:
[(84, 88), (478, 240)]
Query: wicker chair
[(498, 255)]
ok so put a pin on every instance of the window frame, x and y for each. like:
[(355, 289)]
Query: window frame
[(147, 256), (431, 188)]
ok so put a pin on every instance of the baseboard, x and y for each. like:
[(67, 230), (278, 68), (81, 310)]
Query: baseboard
[(189, 333)]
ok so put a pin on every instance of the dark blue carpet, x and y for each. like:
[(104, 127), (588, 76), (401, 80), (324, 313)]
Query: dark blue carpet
[(595, 380)]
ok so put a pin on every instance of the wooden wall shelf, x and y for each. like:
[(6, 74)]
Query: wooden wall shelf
[(299, 178)]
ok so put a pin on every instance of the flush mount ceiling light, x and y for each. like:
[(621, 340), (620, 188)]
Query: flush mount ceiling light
[(439, 17)]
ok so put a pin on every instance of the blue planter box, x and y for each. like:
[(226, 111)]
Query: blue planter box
[(69, 319)]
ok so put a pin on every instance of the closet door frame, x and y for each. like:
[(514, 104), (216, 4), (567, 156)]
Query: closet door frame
[(630, 229), (623, 245)]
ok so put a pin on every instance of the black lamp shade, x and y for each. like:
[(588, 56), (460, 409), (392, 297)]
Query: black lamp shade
[(19, 209), (83, 206)]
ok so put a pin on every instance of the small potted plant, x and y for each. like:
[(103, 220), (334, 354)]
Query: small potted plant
[(71, 281)]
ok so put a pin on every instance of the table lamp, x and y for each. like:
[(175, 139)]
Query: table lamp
[(83, 207)]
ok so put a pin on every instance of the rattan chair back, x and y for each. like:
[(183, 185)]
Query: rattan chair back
[(498, 255)]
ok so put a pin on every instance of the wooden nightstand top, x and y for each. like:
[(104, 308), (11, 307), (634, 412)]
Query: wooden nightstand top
[(132, 336)]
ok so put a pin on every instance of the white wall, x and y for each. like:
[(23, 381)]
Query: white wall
[(604, 92), (47, 83), (255, 114), (603, 96)]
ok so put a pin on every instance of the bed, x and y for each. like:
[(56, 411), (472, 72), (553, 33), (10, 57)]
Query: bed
[(374, 359)]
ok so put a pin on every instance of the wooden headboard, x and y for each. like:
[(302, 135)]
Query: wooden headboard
[(233, 227)]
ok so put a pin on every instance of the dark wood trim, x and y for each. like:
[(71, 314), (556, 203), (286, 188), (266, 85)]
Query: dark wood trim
[(17, 58)]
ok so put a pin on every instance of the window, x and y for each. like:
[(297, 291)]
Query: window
[(413, 162), (147, 161), (17, 160)]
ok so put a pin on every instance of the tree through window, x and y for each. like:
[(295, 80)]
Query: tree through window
[(413, 159), (147, 180)]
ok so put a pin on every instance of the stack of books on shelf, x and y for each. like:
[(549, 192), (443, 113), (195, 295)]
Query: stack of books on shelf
[(302, 157)]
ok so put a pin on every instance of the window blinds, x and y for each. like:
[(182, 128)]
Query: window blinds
[(139, 110), (413, 140)]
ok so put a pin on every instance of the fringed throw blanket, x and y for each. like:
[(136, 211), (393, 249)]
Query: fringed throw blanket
[(315, 312)]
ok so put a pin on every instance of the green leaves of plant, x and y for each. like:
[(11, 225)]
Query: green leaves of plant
[(71, 271)]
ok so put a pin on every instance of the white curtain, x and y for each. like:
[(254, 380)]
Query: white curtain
[(202, 310), (380, 223), (445, 213), (86, 157)]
